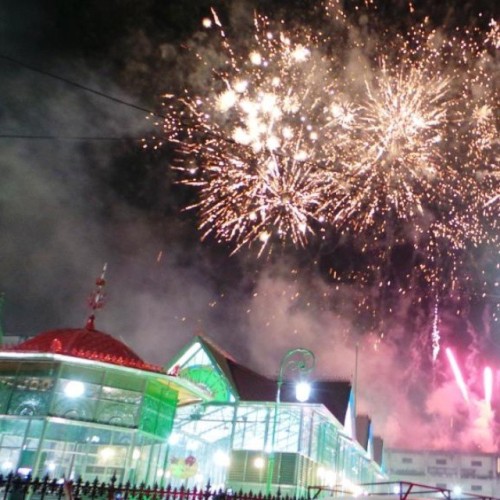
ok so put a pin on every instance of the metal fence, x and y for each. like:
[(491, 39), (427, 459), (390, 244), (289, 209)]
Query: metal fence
[(15, 487), (25, 488)]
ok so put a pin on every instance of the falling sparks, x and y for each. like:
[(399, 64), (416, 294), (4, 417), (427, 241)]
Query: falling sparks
[(385, 142), (435, 337), (285, 141), (458, 374)]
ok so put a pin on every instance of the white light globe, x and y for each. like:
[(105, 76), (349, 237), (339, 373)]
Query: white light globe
[(302, 391), (74, 389)]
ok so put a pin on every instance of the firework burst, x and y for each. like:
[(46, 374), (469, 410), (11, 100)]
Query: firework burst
[(394, 141)]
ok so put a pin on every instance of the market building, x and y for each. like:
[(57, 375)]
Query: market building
[(78, 403)]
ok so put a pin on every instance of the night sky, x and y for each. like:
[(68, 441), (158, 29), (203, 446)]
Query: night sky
[(78, 190)]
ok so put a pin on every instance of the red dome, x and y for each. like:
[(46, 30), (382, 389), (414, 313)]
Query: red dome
[(85, 343)]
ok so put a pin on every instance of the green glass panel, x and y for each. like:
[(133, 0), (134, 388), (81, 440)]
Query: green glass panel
[(166, 420), (6, 385), (115, 413), (8, 367), (149, 414), (124, 380), (34, 384), (35, 428), (29, 403), (121, 395), (40, 368), (158, 409), (15, 427), (208, 378), (92, 375), (74, 409), (66, 432)]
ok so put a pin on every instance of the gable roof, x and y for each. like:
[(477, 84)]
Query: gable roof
[(378, 450), (249, 385), (363, 424)]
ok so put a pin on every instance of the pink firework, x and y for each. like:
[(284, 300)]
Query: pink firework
[(458, 374), (488, 384)]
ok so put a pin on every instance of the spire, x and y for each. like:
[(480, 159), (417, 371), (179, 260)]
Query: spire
[(96, 298)]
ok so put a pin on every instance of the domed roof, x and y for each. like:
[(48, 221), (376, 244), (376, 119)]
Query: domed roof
[(85, 343)]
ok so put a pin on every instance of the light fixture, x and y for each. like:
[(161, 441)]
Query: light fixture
[(221, 458), (302, 391), (174, 438), (74, 389), (7, 465), (259, 462), (106, 453), (302, 361)]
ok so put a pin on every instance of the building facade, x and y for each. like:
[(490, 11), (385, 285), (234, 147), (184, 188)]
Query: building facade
[(79, 403), (230, 438), (477, 473)]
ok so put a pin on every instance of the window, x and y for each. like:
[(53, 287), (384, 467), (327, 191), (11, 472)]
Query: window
[(440, 461), (476, 463), (476, 487), (407, 460), (441, 485)]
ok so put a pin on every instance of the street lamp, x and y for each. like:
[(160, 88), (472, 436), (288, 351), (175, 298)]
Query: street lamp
[(302, 361)]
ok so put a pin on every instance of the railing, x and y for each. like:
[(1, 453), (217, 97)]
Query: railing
[(402, 490), (14, 487), (26, 488)]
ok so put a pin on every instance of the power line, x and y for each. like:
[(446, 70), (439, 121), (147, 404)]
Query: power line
[(64, 137), (80, 86)]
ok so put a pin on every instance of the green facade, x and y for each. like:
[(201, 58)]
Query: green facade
[(73, 417), (228, 440), (65, 416)]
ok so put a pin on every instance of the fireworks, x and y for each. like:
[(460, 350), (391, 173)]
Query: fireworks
[(488, 384), (458, 374), (390, 141), (265, 143)]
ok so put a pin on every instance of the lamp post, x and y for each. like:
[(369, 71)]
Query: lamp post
[(302, 361)]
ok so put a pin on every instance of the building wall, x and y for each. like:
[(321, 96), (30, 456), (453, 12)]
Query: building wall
[(230, 444), (83, 419), (477, 473)]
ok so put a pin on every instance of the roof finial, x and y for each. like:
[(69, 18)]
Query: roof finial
[(96, 298)]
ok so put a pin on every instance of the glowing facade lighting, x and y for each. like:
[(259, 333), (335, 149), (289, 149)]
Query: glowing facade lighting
[(74, 389), (303, 391), (222, 458)]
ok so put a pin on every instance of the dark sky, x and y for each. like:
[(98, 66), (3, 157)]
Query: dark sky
[(77, 190)]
